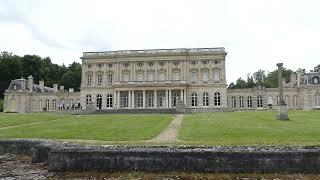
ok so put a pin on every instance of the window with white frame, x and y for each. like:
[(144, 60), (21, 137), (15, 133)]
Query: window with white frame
[(54, 104), (176, 75), (151, 76), (249, 102), (110, 78), (162, 100), (233, 102), (99, 101), (259, 101), (217, 101), (162, 76), (140, 76), (193, 75), (205, 99), (194, 100), (125, 76), (216, 75), (124, 100), (139, 100), (89, 79), (99, 79), (205, 75), (150, 100), (109, 101), (241, 103), (47, 104)]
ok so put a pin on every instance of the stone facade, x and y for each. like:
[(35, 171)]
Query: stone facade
[(158, 79)]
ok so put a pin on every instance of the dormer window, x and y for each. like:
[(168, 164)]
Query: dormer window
[(125, 65), (216, 62), (110, 65), (204, 62), (176, 63), (150, 64), (89, 66), (139, 64), (99, 65), (193, 63), (161, 63), (316, 80)]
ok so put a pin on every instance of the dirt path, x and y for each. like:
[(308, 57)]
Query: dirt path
[(170, 134)]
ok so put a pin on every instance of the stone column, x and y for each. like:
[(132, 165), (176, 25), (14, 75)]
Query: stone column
[(129, 99), (181, 95), (114, 99), (185, 97), (283, 109), (144, 98), (155, 99), (166, 101), (118, 99), (132, 101), (170, 99)]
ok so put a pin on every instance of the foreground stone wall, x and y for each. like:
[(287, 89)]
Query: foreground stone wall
[(72, 157)]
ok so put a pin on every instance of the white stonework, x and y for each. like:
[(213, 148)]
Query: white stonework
[(154, 79)]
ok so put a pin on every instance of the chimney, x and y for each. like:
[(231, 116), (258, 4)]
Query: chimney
[(55, 87), (61, 88), (71, 90), (41, 84), (30, 83)]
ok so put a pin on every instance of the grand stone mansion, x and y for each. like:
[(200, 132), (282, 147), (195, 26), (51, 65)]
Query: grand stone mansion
[(191, 79)]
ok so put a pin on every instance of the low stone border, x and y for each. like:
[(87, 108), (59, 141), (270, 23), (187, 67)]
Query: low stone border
[(238, 159)]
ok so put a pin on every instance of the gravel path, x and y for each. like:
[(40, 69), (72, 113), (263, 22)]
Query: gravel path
[(170, 134)]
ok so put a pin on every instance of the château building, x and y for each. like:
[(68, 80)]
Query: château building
[(192, 79)]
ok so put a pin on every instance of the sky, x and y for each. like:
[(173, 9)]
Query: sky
[(256, 34)]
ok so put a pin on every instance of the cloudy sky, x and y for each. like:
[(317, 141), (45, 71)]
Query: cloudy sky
[(256, 33)]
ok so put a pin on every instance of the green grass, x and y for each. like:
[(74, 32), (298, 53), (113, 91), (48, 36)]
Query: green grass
[(119, 127), (251, 128)]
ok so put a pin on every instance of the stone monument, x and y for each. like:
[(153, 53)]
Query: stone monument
[(283, 109)]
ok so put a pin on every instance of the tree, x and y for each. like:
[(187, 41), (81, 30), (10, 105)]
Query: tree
[(259, 77), (231, 86), (240, 83), (317, 68), (250, 81)]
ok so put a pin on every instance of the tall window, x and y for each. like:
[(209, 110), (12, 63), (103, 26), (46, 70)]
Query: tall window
[(216, 75), (125, 76), (88, 99), (139, 100), (150, 76), (217, 101), (316, 80), (99, 101), (175, 97), (140, 76), (124, 100), (193, 75), (295, 101), (317, 99), (99, 79), (150, 100), (176, 75), (110, 78), (270, 100), (162, 100), (259, 101), (89, 79), (205, 99), (162, 76), (233, 102), (109, 101), (249, 102), (54, 104), (205, 75), (194, 99), (241, 104), (47, 104)]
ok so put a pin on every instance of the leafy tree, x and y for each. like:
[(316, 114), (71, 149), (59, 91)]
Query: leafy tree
[(250, 81), (259, 77), (317, 68), (240, 83)]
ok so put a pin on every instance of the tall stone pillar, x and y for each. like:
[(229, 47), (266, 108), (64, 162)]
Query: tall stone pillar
[(129, 99), (132, 101), (185, 97), (155, 102), (181, 95), (283, 108), (166, 99), (118, 99), (170, 104), (115, 99), (144, 98)]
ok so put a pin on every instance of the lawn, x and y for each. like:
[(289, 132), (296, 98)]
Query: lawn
[(117, 127), (251, 128)]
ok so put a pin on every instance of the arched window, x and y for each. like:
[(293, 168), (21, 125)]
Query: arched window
[(205, 99), (194, 100), (99, 79), (89, 79), (54, 104), (259, 101), (249, 102), (217, 101), (233, 102), (109, 101), (278, 99), (316, 80), (110, 78), (205, 75), (88, 99), (241, 104), (99, 101), (295, 101), (47, 104)]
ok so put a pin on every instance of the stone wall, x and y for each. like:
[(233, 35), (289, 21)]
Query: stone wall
[(242, 159)]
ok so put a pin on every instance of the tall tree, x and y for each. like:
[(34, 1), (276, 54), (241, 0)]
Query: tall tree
[(259, 77)]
